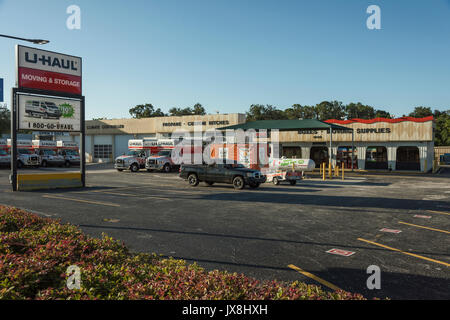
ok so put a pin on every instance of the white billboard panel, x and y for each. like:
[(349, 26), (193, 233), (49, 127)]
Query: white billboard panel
[(48, 113)]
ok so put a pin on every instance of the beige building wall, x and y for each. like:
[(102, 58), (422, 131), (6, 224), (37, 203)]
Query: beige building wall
[(161, 124), (376, 132)]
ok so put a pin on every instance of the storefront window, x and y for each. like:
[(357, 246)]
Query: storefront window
[(344, 155), (319, 155), (376, 158), (292, 152), (408, 158)]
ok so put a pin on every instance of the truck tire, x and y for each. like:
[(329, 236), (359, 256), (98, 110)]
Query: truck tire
[(167, 168), (276, 181), (238, 183), (293, 182), (193, 180), (67, 164), (254, 185), (134, 167)]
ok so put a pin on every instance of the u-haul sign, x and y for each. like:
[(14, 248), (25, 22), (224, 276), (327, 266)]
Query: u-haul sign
[(46, 70)]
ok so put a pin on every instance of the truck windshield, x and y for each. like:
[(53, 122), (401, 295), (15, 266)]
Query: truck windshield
[(71, 152), (24, 151), (133, 153), (164, 153), (49, 152)]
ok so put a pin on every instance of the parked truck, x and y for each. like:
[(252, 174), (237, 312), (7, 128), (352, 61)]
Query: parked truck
[(25, 154), (236, 174), (47, 151), (138, 151), (70, 152)]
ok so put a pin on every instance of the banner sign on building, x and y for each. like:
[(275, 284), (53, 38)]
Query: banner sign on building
[(1, 90), (48, 113), (49, 71)]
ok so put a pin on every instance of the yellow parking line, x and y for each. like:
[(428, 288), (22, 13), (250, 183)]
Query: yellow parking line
[(81, 200), (439, 212), (407, 253), (415, 225), (316, 278)]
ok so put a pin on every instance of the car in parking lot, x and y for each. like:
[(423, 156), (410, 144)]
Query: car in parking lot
[(236, 174)]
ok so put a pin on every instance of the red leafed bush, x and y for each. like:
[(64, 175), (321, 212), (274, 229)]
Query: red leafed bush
[(35, 253)]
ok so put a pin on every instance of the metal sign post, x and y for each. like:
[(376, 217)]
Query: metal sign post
[(13, 176)]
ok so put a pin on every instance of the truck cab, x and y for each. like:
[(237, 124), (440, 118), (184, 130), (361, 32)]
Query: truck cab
[(25, 154), (47, 152), (69, 151), (133, 160), (162, 161)]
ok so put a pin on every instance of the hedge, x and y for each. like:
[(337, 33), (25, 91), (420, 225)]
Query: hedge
[(35, 253)]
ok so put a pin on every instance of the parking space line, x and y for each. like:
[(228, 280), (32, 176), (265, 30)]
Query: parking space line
[(134, 195), (439, 212), (423, 227), (407, 253), (316, 278), (81, 200)]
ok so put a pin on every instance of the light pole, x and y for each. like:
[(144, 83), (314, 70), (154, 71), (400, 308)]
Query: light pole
[(35, 41)]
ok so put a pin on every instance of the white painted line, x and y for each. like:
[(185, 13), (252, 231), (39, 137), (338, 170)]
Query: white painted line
[(422, 216), (390, 230), (340, 252)]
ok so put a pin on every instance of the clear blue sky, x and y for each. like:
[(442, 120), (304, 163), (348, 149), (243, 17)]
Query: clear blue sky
[(229, 54)]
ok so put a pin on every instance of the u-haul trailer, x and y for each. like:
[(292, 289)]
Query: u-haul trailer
[(70, 151), (258, 156), (47, 151), (25, 154)]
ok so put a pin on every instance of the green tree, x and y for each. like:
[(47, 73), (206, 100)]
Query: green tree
[(382, 114), (5, 120), (298, 111), (421, 112), (330, 110), (359, 111), (442, 133), (261, 112), (198, 109), (146, 111)]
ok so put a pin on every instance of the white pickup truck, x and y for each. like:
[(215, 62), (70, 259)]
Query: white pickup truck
[(25, 156), (161, 162)]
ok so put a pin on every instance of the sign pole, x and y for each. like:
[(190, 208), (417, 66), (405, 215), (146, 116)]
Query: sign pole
[(13, 176), (82, 144)]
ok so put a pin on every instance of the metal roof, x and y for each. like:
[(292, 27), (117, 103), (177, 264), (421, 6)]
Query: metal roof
[(287, 125)]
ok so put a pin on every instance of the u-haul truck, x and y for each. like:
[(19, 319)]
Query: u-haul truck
[(47, 151), (5, 157), (25, 154), (138, 151), (163, 159), (69, 150)]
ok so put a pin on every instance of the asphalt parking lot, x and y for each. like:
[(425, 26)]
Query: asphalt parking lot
[(275, 232)]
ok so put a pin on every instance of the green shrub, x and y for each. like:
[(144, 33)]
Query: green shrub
[(35, 253)]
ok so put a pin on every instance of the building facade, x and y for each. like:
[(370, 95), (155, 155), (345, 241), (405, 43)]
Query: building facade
[(387, 144)]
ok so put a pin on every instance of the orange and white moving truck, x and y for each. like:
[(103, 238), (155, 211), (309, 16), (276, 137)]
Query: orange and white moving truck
[(70, 151), (47, 151), (25, 154)]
